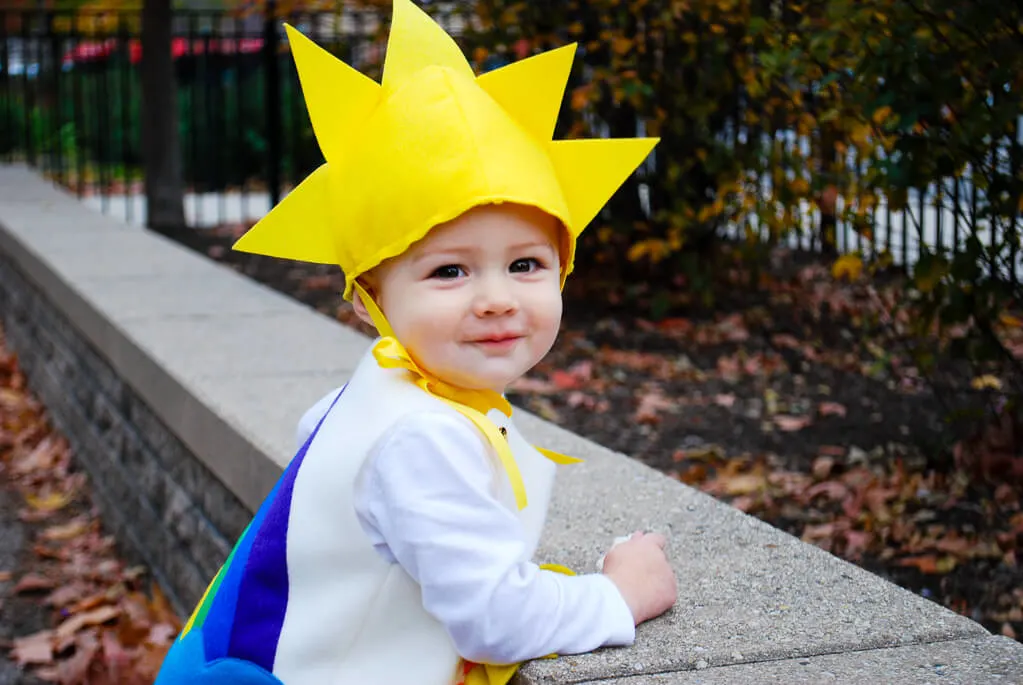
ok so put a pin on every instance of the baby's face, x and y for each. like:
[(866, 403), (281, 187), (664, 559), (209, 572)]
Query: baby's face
[(478, 301)]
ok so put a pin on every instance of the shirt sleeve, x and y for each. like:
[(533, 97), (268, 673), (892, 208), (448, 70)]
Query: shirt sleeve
[(307, 424), (427, 493)]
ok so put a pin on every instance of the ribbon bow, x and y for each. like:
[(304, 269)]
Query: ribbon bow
[(472, 404)]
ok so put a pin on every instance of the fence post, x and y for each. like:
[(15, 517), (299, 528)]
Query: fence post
[(273, 102), (57, 112), (7, 100), (27, 102)]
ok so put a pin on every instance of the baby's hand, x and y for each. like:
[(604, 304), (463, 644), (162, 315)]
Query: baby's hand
[(643, 575)]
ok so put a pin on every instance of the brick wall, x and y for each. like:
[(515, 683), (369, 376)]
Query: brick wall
[(164, 507)]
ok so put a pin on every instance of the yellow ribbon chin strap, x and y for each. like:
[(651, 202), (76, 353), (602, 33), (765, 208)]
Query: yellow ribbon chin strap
[(472, 404), (379, 320)]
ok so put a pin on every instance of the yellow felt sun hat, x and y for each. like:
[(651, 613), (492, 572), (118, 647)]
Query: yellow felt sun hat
[(429, 143)]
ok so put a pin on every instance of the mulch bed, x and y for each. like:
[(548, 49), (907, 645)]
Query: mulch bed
[(795, 401)]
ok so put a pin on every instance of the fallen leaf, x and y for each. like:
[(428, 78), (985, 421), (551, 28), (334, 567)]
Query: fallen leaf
[(675, 326), (724, 400), (44, 552), (952, 543), (33, 582), (12, 401), (33, 649), (544, 407), (743, 484), (729, 368), (115, 658), (651, 404), (744, 503), (62, 643), (986, 382), (34, 515), (533, 386), (45, 455), (577, 398), (88, 618), (822, 466), (75, 669), (66, 531), (856, 542), (848, 266), (785, 340), (833, 489), (929, 563), (92, 601), (563, 380), (831, 409), (817, 533), (702, 453), (1010, 320), (162, 634), (733, 328), (51, 502), (583, 370), (67, 594), (50, 674), (789, 424), (5, 576)]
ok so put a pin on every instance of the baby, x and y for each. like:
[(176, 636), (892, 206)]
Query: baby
[(397, 545)]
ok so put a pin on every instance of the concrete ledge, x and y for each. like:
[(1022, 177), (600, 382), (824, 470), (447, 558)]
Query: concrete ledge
[(963, 662), (228, 366)]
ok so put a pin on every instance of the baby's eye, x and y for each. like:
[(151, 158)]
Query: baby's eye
[(448, 272), (525, 266)]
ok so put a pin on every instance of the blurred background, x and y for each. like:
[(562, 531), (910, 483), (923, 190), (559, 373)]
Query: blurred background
[(806, 302)]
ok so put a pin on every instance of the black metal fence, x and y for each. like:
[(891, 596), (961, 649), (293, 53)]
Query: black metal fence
[(70, 96)]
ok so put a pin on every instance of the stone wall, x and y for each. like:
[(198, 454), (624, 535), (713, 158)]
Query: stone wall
[(180, 382), (163, 505)]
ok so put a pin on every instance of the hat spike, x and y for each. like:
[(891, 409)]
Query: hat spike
[(531, 90), (417, 41)]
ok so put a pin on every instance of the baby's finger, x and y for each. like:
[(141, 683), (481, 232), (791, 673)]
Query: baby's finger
[(658, 539)]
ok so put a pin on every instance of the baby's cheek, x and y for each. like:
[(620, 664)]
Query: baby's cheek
[(547, 311), (436, 337)]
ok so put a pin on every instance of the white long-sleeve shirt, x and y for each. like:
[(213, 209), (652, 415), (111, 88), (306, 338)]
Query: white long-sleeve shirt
[(425, 499)]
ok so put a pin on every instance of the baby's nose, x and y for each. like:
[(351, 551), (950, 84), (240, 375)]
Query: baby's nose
[(495, 296)]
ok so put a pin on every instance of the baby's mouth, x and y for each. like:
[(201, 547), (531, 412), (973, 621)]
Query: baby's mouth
[(499, 341)]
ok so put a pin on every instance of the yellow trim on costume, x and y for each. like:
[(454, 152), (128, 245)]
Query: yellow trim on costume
[(557, 457), (198, 607)]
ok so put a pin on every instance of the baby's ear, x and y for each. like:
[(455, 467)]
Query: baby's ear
[(359, 305)]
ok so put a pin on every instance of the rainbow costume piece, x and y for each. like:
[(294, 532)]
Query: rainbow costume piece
[(304, 598), (231, 637)]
